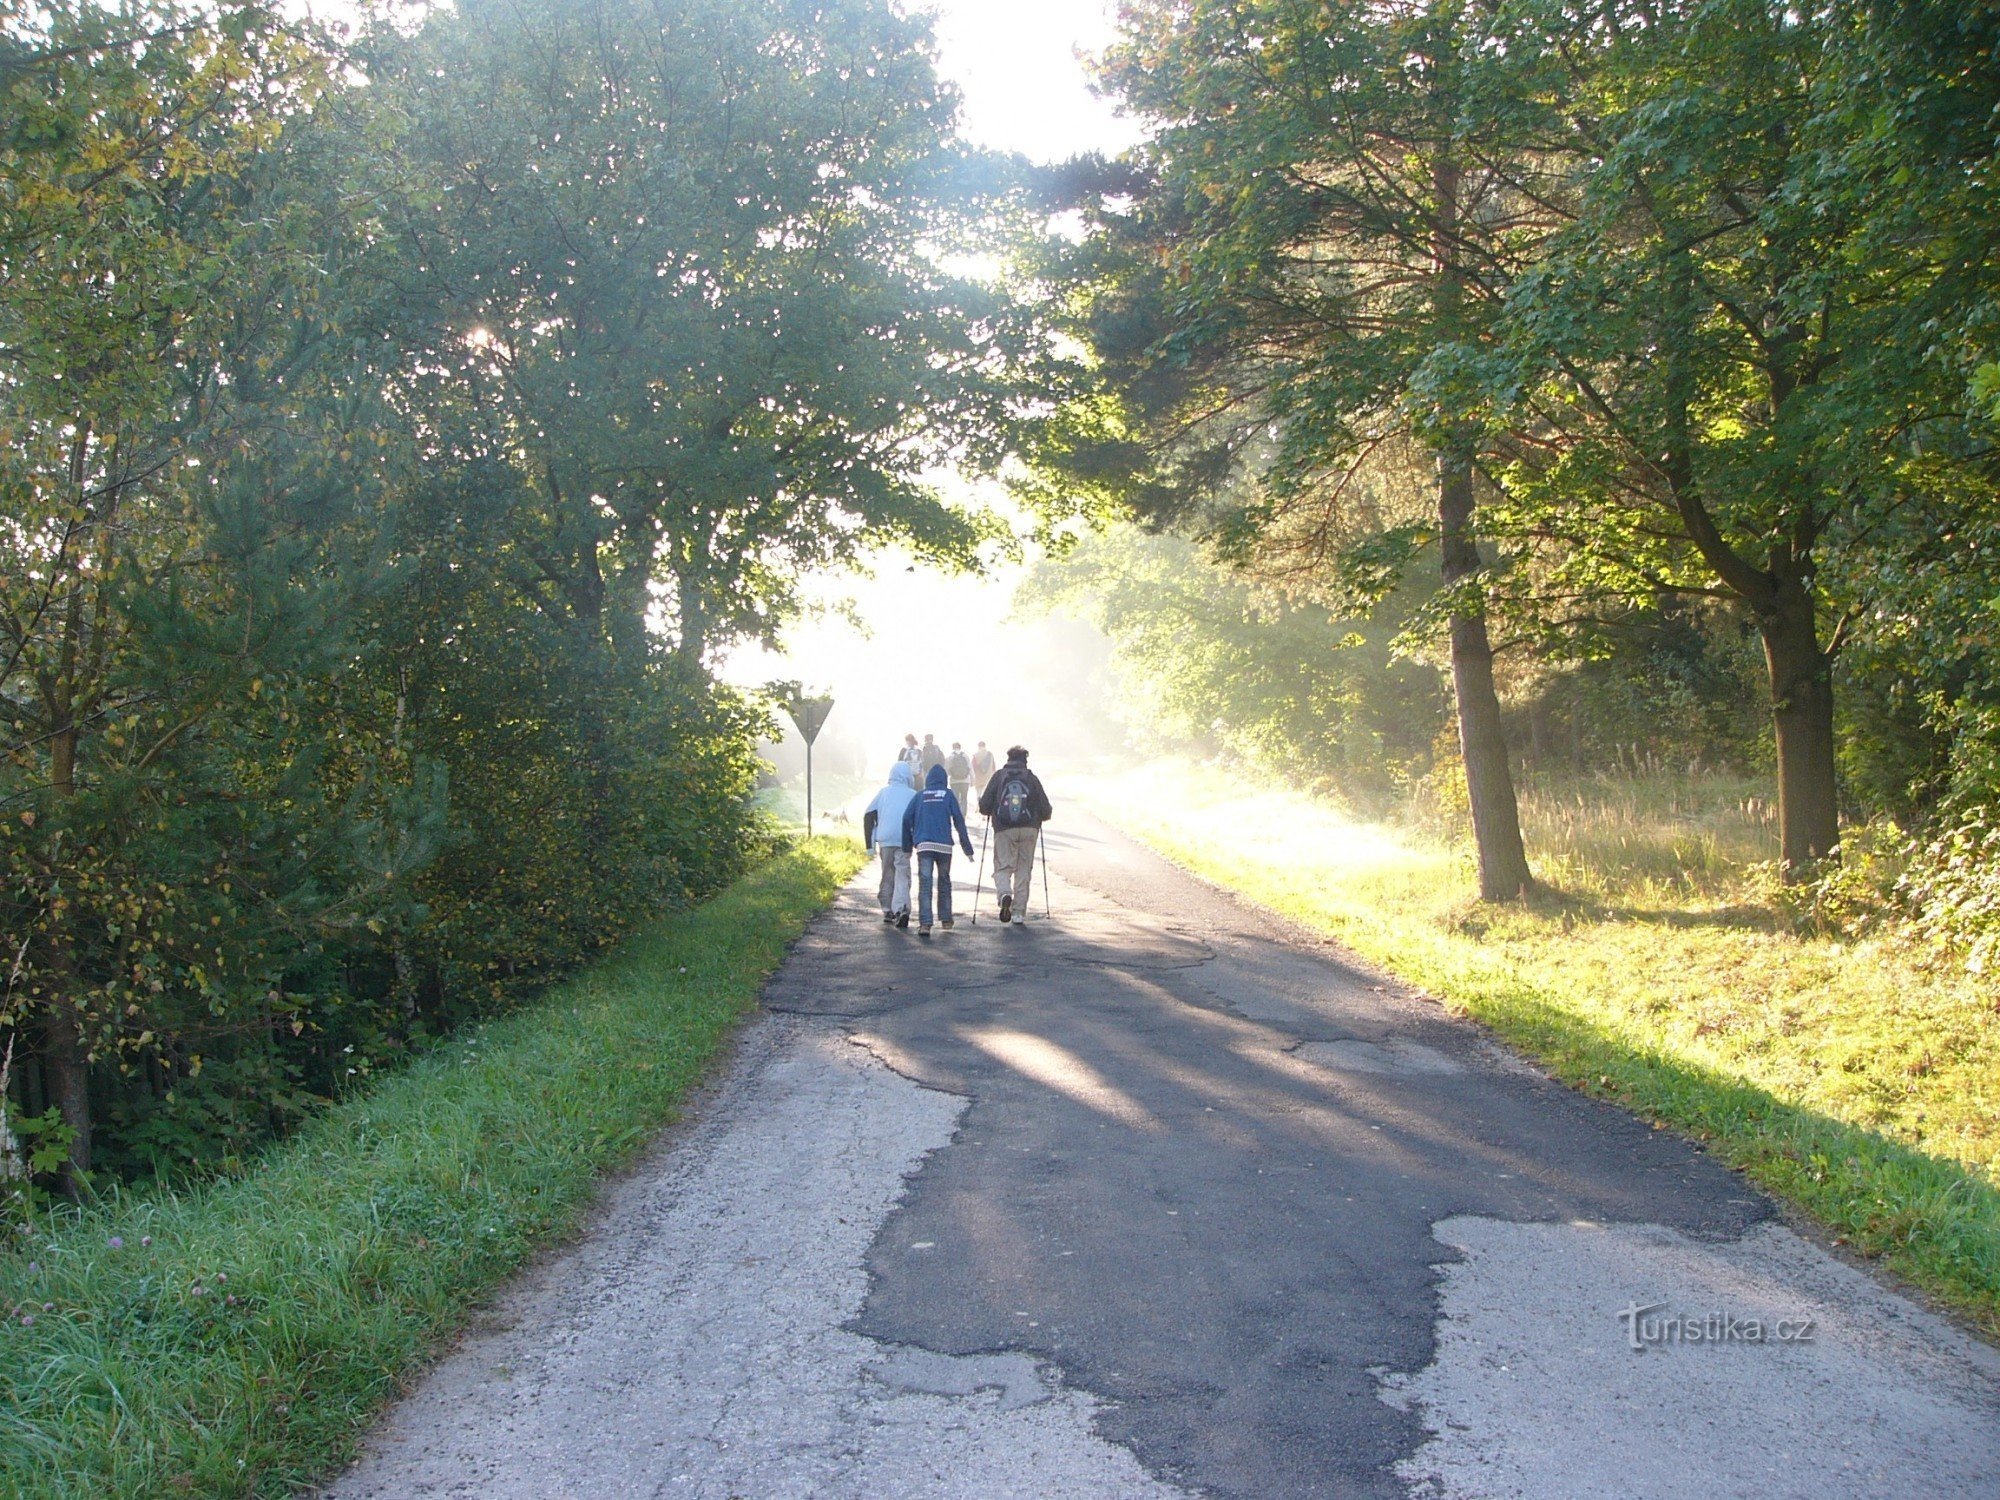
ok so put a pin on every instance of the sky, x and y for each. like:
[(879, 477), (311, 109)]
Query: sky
[(1015, 62), (941, 654)]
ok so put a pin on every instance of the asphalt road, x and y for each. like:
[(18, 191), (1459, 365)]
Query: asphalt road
[(1160, 1197)]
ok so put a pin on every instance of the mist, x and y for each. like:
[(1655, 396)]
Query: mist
[(933, 653)]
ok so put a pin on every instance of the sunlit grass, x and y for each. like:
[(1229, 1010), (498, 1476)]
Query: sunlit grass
[(236, 1338), (1661, 837), (1847, 1075)]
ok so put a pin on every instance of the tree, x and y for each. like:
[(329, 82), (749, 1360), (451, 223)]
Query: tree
[(1712, 383), (682, 262), (1299, 290), (164, 588)]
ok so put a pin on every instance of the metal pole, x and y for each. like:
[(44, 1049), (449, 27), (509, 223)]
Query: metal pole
[(1048, 906), (809, 788), (984, 828)]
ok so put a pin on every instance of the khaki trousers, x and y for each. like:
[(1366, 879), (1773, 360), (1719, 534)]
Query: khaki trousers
[(1014, 863)]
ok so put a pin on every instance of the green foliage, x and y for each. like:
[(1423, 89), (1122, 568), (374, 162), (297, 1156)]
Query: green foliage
[(172, 574), (1953, 886), (686, 291), (389, 432), (235, 1338), (1674, 687), (1214, 663), (1702, 289)]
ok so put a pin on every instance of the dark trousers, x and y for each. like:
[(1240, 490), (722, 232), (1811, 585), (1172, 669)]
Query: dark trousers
[(928, 861)]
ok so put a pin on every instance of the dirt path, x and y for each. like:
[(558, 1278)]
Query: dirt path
[(1155, 1199)]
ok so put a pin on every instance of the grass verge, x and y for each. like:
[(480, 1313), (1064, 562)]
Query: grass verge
[(1844, 1076), (237, 1338)]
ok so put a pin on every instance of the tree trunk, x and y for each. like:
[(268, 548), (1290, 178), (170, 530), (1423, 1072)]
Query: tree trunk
[(68, 1074), (692, 648), (1489, 783), (63, 1058), (1801, 675)]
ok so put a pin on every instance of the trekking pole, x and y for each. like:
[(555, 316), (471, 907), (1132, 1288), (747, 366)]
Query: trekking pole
[(984, 828), (1048, 906)]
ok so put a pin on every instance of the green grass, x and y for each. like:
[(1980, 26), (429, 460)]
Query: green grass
[(1846, 1076), (245, 1333)]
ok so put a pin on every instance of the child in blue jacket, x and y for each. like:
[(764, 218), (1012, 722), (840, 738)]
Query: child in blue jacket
[(928, 824)]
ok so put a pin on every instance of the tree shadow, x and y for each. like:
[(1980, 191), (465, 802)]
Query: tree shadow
[(1571, 908)]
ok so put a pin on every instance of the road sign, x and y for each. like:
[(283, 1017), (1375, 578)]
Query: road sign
[(809, 713)]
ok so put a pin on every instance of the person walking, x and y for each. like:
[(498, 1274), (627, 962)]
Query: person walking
[(958, 766), (983, 766), (929, 756), (1018, 806), (910, 755), (934, 814), (882, 829)]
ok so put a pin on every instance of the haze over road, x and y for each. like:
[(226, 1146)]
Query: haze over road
[(1162, 1198)]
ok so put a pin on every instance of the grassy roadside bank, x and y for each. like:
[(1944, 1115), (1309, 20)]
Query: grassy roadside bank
[(1842, 1075), (235, 1339)]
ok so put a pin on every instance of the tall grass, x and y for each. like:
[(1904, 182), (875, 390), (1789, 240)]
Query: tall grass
[(1664, 836), (1848, 1074), (236, 1338)]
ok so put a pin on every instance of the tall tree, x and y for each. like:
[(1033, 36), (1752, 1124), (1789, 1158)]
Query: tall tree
[(1723, 390), (1322, 246), (685, 258)]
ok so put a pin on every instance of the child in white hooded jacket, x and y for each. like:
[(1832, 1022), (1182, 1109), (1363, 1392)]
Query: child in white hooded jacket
[(882, 828)]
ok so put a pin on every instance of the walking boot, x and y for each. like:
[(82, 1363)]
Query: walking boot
[(1006, 908)]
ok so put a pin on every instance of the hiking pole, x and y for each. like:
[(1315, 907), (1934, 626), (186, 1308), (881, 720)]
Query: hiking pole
[(984, 828), (1048, 907)]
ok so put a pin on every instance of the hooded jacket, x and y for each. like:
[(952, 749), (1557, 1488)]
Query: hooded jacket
[(884, 816), (932, 816), (1039, 810)]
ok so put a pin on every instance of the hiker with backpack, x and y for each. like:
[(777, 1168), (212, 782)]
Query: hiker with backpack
[(959, 768), (882, 828), (983, 766), (931, 754), (1018, 806), (928, 823)]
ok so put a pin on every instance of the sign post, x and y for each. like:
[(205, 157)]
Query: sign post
[(809, 713)]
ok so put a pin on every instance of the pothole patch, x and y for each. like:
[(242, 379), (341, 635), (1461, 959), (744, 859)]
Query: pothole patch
[(1014, 1376)]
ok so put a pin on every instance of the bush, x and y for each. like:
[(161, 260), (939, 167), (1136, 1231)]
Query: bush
[(1952, 889)]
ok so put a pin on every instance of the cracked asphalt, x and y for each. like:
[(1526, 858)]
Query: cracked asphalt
[(1161, 1197)]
